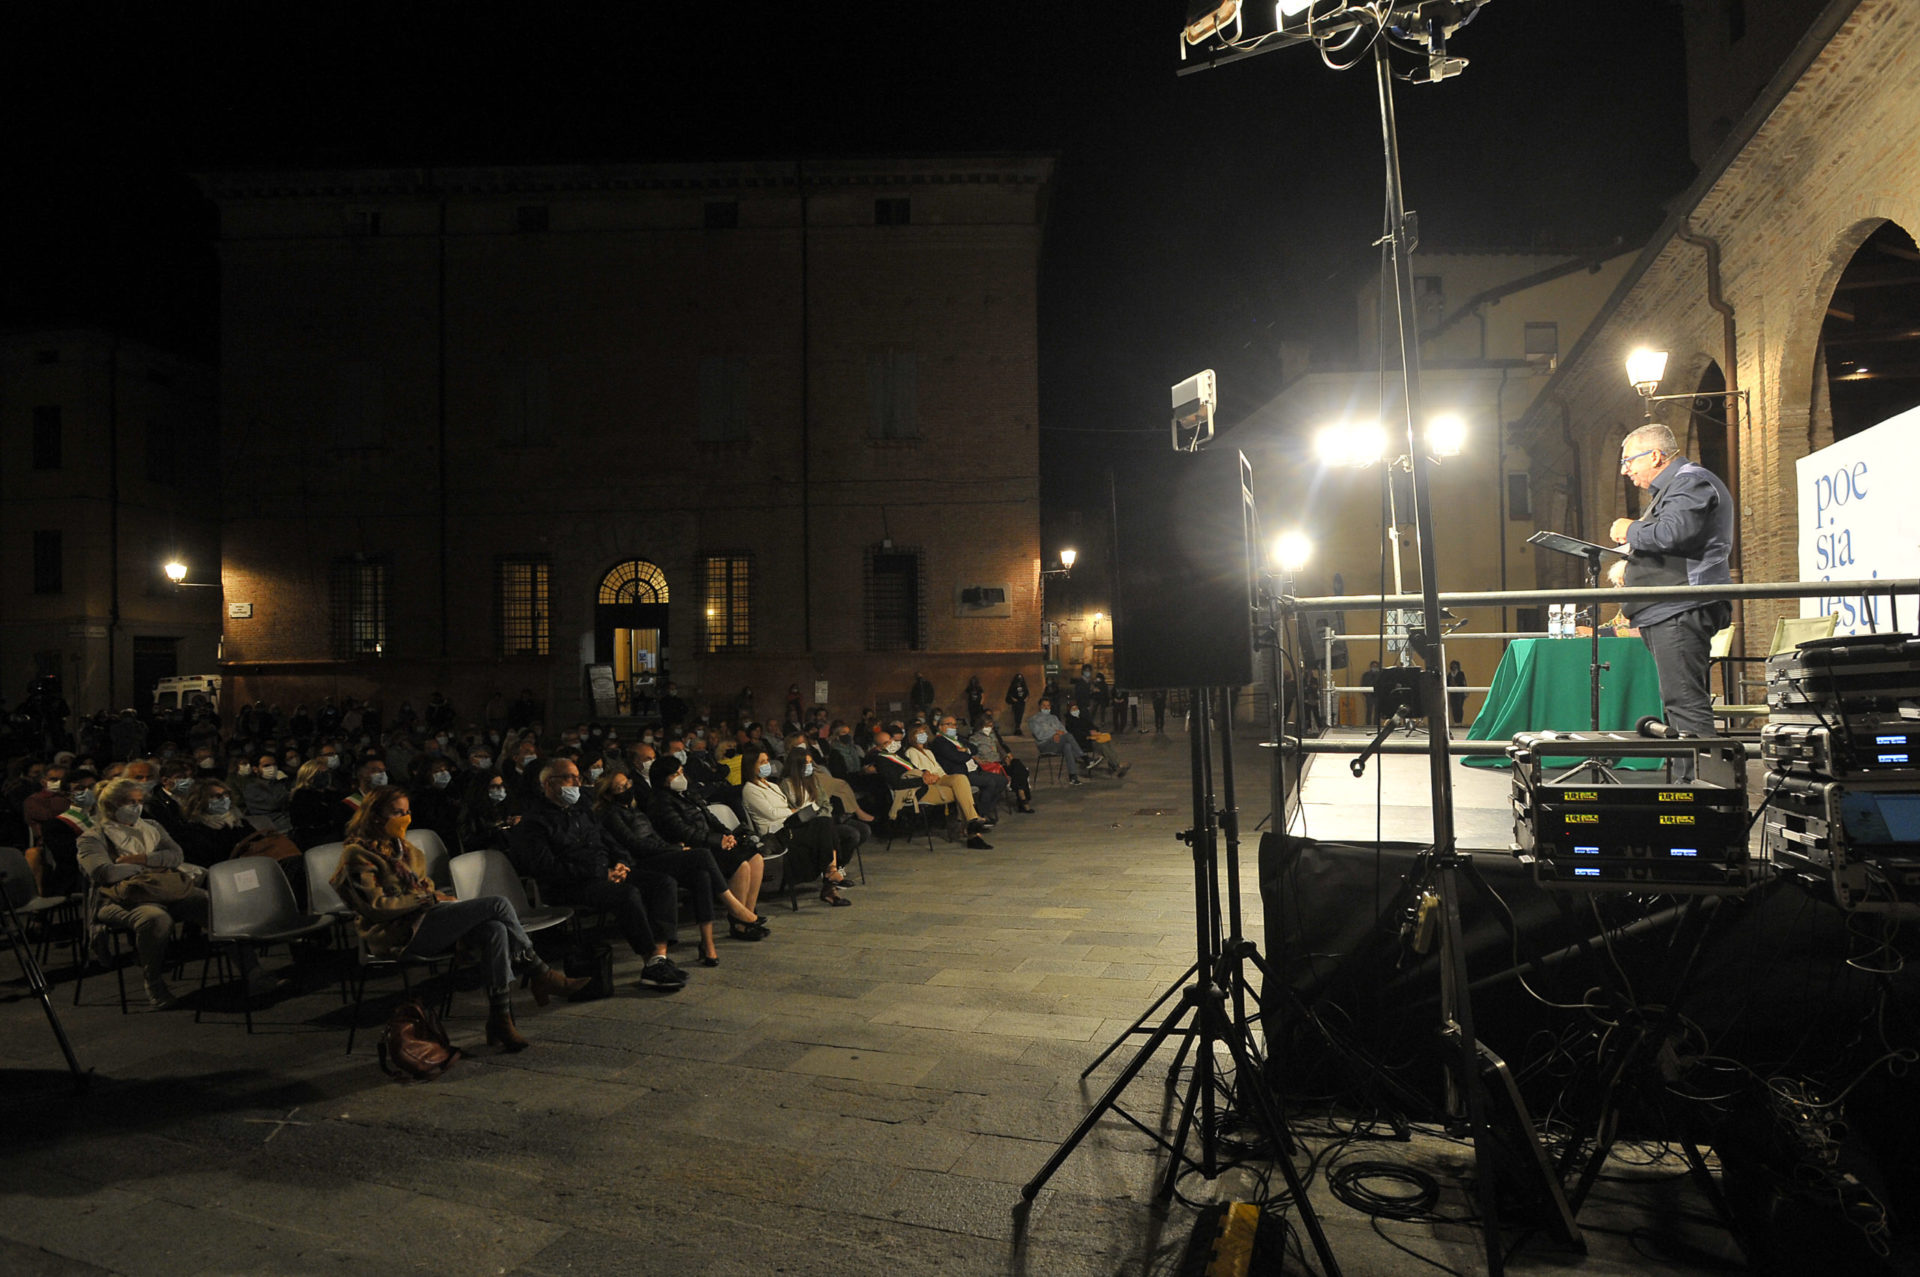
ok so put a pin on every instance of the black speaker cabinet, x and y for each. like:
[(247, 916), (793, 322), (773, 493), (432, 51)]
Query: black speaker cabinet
[(1184, 536)]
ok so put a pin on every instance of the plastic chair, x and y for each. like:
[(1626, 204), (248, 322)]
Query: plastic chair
[(729, 820), (250, 901), (435, 853), (1054, 763), (490, 873)]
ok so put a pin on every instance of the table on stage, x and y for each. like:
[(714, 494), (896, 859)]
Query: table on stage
[(1543, 684)]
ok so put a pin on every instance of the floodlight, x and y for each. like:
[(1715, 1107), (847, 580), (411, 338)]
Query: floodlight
[(1291, 550), (1446, 435), (176, 571), (1366, 444), (1645, 368), (1330, 444), (1193, 404)]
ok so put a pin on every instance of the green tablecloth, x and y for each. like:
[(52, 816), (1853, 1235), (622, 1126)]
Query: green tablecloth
[(1542, 684)]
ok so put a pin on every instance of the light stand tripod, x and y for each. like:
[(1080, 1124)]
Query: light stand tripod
[(1212, 1012), (16, 884)]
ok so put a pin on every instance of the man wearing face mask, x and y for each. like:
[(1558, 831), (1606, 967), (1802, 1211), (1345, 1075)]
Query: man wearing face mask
[(956, 758), (167, 796), (371, 776), (562, 845), (1051, 735), (431, 795), (899, 769), (267, 794), (55, 862)]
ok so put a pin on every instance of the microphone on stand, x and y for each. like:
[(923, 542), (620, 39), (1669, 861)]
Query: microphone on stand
[(1653, 729)]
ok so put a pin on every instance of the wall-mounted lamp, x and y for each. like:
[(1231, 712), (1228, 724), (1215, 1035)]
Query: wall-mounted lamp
[(1646, 368), (1067, 558), (177, 573)]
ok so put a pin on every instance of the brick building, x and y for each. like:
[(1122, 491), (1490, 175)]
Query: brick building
[(743, 425), (106, 473), (1789, 257)]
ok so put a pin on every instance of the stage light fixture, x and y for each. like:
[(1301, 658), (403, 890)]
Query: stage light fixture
[(1645, 368), (1208, 18), (1366, 444), (1193, 403), (1446, 435), (1291, 550)]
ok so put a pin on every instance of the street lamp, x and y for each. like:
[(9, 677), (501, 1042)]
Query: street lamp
[(1049, 634), (1647, 367), (177, 573)]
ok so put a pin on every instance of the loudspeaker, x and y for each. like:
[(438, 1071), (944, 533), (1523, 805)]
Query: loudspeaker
[(1184, 534)]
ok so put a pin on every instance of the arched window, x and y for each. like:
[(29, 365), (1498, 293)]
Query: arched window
[(635, 581), (1871, 337)]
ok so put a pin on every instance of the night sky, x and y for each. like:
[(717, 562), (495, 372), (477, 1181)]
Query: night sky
[(1196, 221)]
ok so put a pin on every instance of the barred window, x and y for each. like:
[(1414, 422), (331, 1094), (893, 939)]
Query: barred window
[(635, 581), (728, 624), (893, 599), (359, 598), (522, 617), (49, 562)]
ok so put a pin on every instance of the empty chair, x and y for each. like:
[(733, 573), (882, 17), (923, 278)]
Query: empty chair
[(250, 901), (490, 873), (435, 853)]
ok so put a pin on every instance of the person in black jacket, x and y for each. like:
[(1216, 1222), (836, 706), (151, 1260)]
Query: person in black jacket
[(316, 811), (679, 817), (488, 814), (691, 867), (1017, 701), (561, 845), (956, 758)]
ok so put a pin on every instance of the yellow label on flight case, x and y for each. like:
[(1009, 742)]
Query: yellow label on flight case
[(1584, 818), (1676, 820), (1676, 796), (1581, 796)]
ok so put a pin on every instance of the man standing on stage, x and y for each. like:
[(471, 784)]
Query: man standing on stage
[(1684, 537)]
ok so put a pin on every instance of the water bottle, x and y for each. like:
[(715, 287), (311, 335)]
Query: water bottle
[(1555, 626)]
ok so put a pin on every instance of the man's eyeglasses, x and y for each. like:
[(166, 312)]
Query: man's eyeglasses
[(1630, 459)]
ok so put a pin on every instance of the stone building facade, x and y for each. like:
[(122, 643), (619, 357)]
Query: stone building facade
[(106, 473), (741, 425), (1740, 287)]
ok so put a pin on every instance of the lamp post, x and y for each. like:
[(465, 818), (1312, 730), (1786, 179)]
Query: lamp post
[(1049, 630), (1646, 368)]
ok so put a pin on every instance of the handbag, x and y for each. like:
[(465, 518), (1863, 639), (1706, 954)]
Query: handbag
[(801, 815), (414, 1047), (149, 887)]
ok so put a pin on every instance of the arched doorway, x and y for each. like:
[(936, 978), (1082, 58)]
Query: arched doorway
[(1707, 423), (1871, 335), (630, 631)]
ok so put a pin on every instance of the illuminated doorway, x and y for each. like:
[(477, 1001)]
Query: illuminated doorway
[(630, 632)]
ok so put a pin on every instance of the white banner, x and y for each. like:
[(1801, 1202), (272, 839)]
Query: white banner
[(1860, 519)]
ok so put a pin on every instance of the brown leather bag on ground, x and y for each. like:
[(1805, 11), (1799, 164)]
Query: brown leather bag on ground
[(415, 1047)]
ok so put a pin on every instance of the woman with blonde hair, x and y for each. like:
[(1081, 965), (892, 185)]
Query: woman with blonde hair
[(138, 882), (383, 879)]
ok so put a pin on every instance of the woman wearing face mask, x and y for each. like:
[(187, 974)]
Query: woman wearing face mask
[(813, 841), (383, 878), (266, 795), (691, 867), (116, 854), (213, 827), (680, 817), (434, 804), (487, 813), (821, 787)]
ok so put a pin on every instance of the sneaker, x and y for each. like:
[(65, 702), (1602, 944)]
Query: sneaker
[(1073, 780), (662, 974)]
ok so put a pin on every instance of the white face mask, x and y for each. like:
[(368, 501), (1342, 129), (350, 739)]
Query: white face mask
[(442, 779), (127, 813), (808, 771), (569, 795), (892, 747), (244, 769), (765, 769), (496, 794), (680, 755), (678, 784), (84, 799), (919, 738), (951, 733), (182, 785), (333, 761), (376, 780), (594, 773)]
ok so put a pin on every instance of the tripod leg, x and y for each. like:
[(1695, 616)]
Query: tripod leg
[(37, 981), (1031, 1188), (1453, 975), (1266, 1115), (1146, 1015)]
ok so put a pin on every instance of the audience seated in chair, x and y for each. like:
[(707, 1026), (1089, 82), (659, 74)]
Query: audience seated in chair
[(815, 843), (691, 867)]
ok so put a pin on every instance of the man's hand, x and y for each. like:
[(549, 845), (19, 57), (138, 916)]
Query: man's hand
[(617, 874), (1619, 530)]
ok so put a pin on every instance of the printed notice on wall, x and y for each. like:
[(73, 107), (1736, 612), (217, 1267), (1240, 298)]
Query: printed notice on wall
[(1859, 521)]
